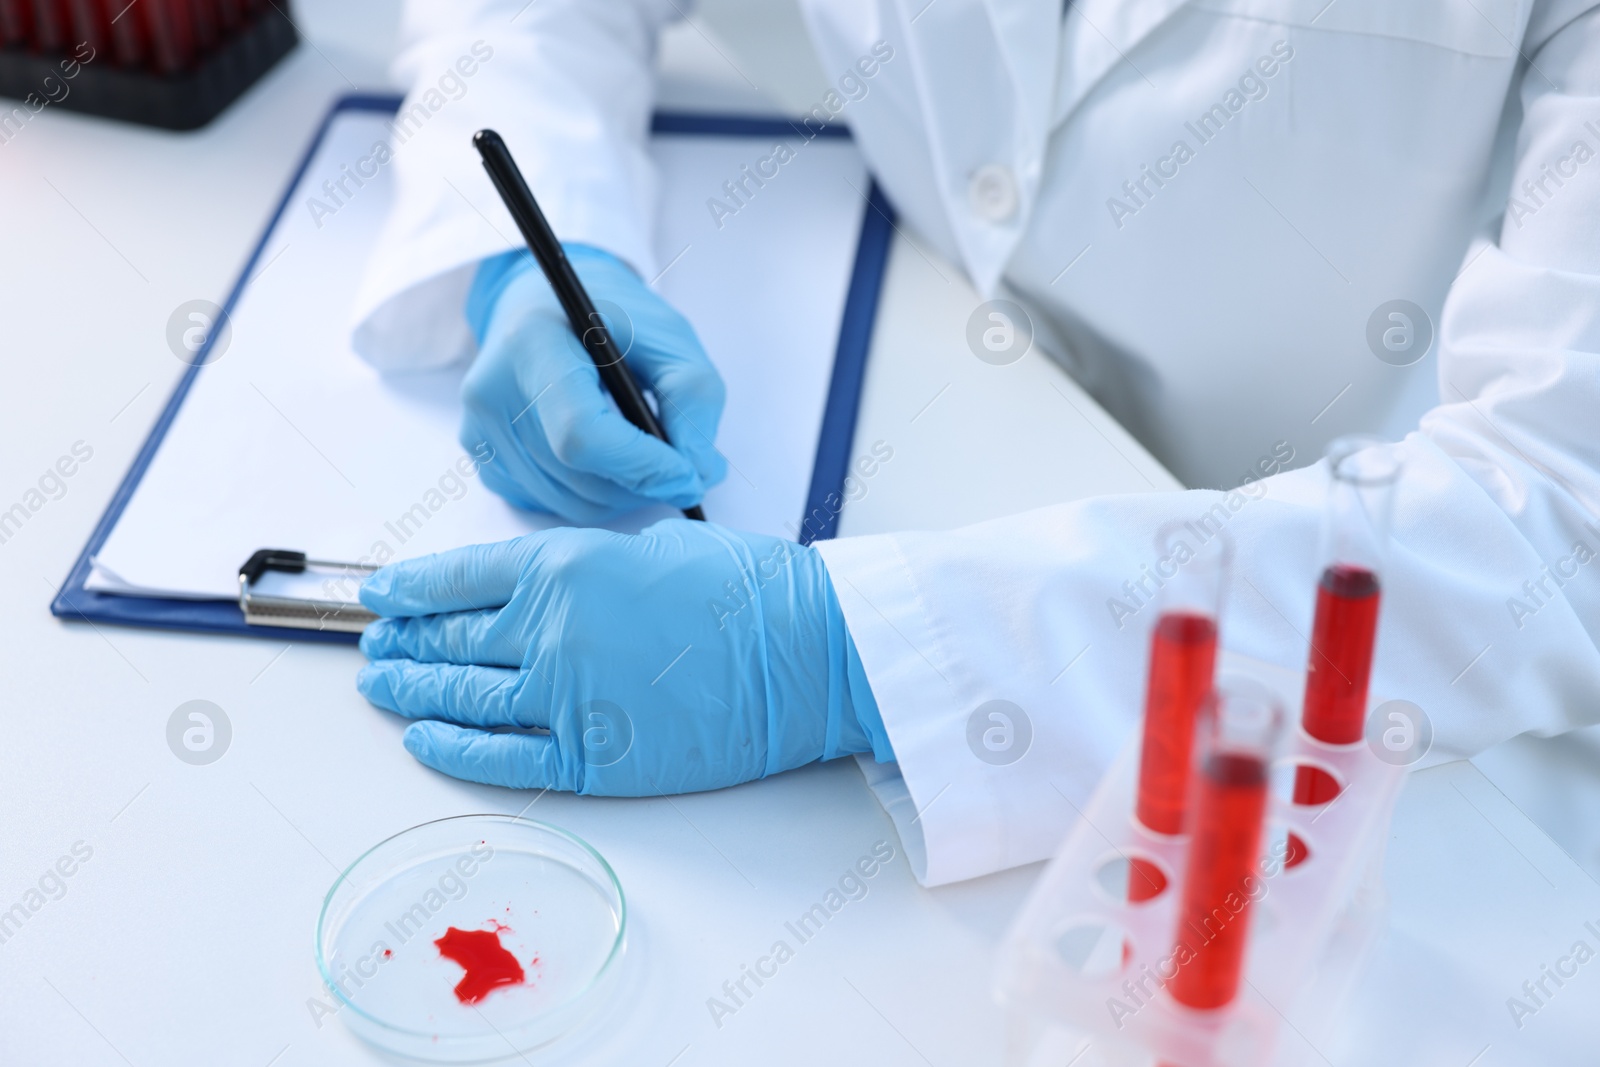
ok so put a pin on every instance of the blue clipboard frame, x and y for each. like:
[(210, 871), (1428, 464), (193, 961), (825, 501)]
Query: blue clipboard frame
[(828, 472)]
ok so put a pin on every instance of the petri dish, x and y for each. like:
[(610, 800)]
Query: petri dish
[(421, 940)]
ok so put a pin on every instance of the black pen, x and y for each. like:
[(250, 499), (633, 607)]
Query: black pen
[(585, 320)]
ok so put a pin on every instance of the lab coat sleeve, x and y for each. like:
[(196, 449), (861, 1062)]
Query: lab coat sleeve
[(1491, 608), (569, 84)]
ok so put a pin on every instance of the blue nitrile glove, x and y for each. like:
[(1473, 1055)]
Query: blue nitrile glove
[(533, 394), (686, 657)]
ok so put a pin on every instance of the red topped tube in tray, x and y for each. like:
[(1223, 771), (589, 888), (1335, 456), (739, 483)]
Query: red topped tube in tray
[(1236, 739), (50, 22), (16, 22), (1183, 653), (1355, 534)]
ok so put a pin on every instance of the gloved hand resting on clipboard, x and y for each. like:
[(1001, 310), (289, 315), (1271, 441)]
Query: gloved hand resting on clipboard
[(534, 395), (684, 658)]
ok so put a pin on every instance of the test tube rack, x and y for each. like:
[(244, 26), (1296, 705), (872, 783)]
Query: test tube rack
[(1079, 971), (89, 76)]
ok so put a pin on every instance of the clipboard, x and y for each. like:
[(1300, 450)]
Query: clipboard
[(819, 521)]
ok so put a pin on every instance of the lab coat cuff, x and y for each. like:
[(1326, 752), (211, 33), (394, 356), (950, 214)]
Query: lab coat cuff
[(949, 827), (889, 786)]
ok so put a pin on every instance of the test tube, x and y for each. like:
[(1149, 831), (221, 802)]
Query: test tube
[(1235, 740), (1355, 534), (1183, 655), (203, 20), (16, 22), (169, 29), (89, 24), (50, 19), (127, 31)]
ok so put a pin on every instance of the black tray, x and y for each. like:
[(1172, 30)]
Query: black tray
[(181, 102)]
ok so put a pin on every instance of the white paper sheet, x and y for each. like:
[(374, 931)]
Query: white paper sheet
[(290, 441)]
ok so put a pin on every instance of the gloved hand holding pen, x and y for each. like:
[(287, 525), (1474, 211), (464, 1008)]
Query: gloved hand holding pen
[(534, 395), (684, 658)]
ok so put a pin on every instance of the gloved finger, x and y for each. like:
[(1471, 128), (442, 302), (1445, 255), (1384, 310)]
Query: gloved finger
[(692, 425), (689, 391), (503, 394), (474, 696), (470, 638), (525, 470), (588, 433), (577, 496), (511, 473), (516, 761), (477, 576), (533, 489)]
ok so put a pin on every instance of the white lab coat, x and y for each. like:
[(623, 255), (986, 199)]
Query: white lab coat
[(1220, 312)]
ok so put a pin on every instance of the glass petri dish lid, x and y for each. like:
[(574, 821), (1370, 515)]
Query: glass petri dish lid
[(472, 939)]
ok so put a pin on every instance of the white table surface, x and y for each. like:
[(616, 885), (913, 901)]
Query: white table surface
[(186, 937)]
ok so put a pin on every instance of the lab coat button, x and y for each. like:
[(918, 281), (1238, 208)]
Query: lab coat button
[(993, 192)]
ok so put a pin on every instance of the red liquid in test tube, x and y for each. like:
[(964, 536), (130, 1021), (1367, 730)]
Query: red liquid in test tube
[(1236, 738), (50, 20), (16, 22), (1183, 656), (203, 19), (1344, 631), (129, 40), (1230, 804), (169, 28), (89, 26), (1342, 639)]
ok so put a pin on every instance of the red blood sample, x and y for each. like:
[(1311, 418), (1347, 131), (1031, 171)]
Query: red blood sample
[(1145, 880), (89, 26), (1183, 655), (1230, 800), (1341, 654), (203, 16), (170, 31), (16, 22), (1297, 853), (230, 13), (128, 34), (1313, 785), (489, 966), (50, 21)]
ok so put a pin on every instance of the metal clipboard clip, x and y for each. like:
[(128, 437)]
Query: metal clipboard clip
[(278, 587)]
